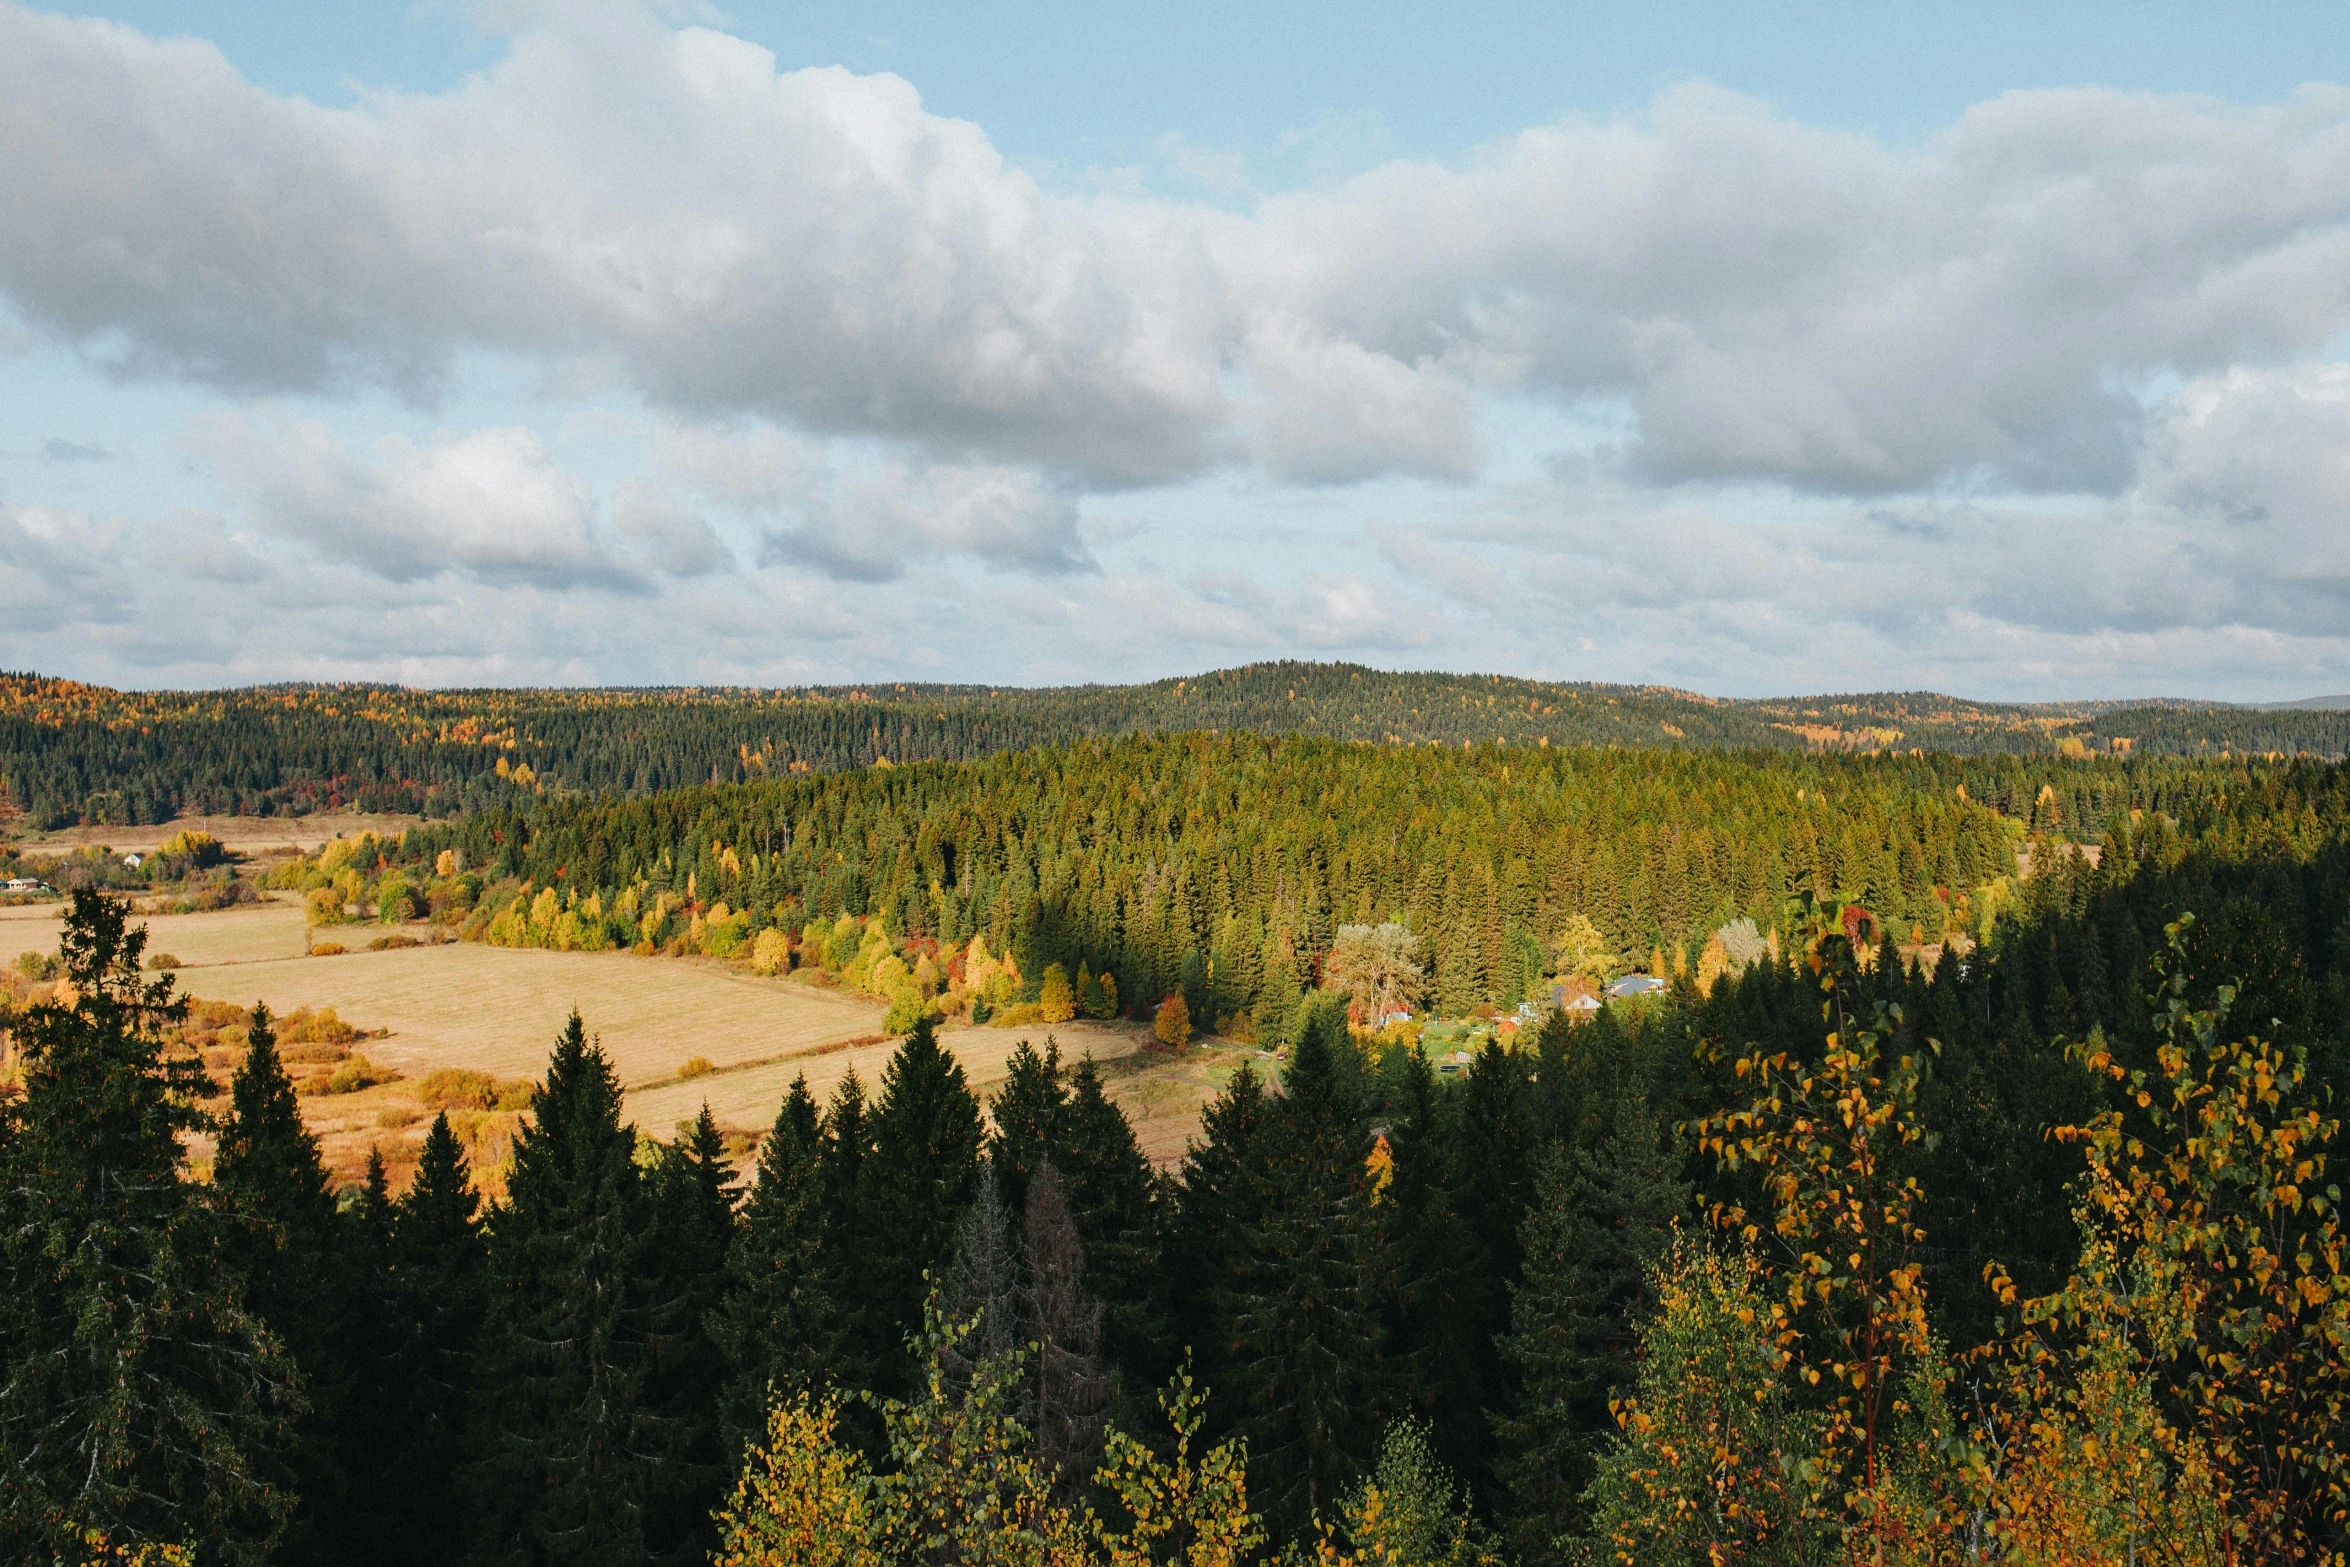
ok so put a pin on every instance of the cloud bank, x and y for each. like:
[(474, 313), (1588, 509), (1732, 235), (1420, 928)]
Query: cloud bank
[(2050, 401)]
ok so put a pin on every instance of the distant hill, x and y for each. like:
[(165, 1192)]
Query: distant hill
[(2323, 704), (71, 752)]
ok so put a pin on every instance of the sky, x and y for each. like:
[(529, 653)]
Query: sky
[(2001, 350)]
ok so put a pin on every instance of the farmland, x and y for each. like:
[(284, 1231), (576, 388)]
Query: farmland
[(496, 1010)]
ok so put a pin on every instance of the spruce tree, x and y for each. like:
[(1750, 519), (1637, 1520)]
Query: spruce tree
[(138, 1396), (1026, 1116), (914, 1188), (845, 1145), (693, 1218), (979, 1294), (438, 1289), (288, 1247), (1603, 1218), (1303, 1308), (1215, 1205), (571, 1447), (776, 1325), (1068, 1384), (1112, 1195)]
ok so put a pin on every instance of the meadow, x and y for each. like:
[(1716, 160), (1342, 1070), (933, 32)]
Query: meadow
[(497, 1010)]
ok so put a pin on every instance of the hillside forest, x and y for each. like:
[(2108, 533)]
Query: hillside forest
[(73, 753), (1964, 1191)]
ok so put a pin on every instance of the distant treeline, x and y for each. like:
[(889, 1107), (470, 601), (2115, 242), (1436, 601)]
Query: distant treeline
[(76, 753)]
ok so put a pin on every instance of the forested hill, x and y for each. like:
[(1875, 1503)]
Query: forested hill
[(73, 752)]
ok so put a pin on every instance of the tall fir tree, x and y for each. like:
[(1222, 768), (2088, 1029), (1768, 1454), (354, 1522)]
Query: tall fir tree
[(847, 1239), (1303, 1308), (776, 1323), (572, 1447), (692, 1201), (913, 1189), (1068, 1384), (439, 1295), (1113, 1197), (1603, 1218), (288, 1247), (138, 1396)]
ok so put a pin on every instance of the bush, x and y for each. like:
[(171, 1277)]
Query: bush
[(328, 949), (324, 906), (1018, 1015), (357, 1073), (459, 1088), (163, 961), (36, 965), (697, 1066)]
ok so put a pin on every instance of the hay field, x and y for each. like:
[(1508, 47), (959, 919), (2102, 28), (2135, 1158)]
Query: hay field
[(498, 1010), (239, 834)]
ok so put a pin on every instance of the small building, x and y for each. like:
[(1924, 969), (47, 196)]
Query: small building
[(134, 861), (1580, 1004), (1635, 985)]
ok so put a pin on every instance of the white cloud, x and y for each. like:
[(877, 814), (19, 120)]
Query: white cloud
[(814, 247), (489, 503)]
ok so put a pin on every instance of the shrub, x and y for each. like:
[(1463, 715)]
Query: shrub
[(1018, 1015), (35, 965), (162, 961), (456, 1088), (697, 1066), (356, 1073), (393, 1117), (328, 949), (324, 906)]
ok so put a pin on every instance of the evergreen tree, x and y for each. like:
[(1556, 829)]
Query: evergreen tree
[(269, 1168), (1069, 1386), (438, 1291), (1112, 1195), (693, 1218), (845, 1146), (1602, 1220), (1027, 1117), (776, 1324), (572, 1450), (1304, 1325), (1214, 1205), (979, 1295), (138, 1396), (913, 1189)]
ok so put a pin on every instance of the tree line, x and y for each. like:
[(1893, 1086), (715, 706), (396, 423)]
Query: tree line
[(78, 753)]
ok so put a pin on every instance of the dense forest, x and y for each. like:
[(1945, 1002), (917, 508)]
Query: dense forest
[(76, 753), (1828, 1255), (1224, 866)]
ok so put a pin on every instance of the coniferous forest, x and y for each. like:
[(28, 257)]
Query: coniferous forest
[(1960, 1195), (72, 753)]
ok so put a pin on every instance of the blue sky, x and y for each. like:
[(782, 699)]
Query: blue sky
[(1995, 349)]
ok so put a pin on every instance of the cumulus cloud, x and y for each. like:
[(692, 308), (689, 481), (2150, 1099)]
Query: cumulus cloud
[(489, 503), (814, 247)]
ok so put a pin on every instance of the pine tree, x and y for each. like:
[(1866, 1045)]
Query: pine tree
[(913, 1189), (1602, 1219), (844, 1146), (776, 1324), (1112, 1195), (138, 1396), (437, 1268), (693, 1216), (1062, 1321), (269, 1168), (979, 1294), (1027, 1116), (571, 1447), (1214, 1206), (373, 1329), (1303, 1320)]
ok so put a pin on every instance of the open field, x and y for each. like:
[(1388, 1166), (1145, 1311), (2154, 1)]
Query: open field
[(498, 1009), (239, 834)]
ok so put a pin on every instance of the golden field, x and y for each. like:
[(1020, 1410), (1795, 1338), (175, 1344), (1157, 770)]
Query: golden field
[(497, 1010)]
